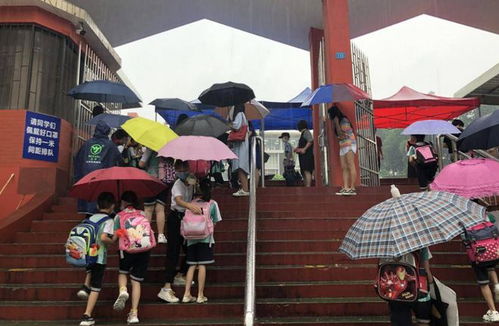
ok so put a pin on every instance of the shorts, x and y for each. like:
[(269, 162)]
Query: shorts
[(96, 272), (400, 312), (345, 150), (134, 264), (482, 271), (161, 198), (200, 254)]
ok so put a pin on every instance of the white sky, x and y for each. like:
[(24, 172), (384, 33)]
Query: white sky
[(425, 53)]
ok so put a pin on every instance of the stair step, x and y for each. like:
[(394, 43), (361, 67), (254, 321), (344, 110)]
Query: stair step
[(166, 321), (349, 321)]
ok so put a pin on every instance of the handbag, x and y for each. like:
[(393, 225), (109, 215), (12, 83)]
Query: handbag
[(238, 135)]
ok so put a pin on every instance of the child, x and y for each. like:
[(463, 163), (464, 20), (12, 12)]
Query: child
[(95, 272), (288, 162), (425, 171), (134, 264), (200, 252), (181, 196)]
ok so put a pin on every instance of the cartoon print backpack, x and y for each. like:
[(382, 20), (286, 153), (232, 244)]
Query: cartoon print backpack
[(425, 155), (482, 242), (401, 279), (197, 227), (81, 246), (138, 234)]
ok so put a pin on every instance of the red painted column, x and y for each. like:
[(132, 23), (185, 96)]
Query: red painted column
[(315, 37), (338, 61)]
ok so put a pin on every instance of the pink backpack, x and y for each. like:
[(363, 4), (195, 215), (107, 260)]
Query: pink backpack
[(425, 155), (197, 227), (139, 235), (482, 242)]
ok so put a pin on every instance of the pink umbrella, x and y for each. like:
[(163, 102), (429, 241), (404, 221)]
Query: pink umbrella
[(197, 148), (475, 178)]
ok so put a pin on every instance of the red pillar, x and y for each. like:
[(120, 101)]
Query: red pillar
[(338, 61)]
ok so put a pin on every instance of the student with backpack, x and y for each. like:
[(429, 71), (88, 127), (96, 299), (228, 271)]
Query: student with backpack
[(404, 282), (136, 239), (423, 157), (87, 246), (181, 196), (198, 231)]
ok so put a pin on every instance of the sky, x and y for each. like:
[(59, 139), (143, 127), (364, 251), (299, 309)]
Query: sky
[(425, 53)]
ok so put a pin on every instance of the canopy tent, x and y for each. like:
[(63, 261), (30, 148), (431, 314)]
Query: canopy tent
[(283, 115), (408, 106)]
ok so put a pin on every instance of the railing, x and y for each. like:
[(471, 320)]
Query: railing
[(249, 300), (7, 183)]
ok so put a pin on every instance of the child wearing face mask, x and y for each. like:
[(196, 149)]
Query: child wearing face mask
[(181, 197)]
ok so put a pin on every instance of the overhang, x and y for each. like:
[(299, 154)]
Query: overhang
[(485, 87)]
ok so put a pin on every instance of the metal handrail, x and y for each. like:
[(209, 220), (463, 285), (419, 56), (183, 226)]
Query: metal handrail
[(249, 296), (458, 153), (7, 183)]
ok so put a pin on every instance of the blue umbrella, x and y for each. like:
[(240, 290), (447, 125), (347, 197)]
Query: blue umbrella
[(104, 91), (430, 127), (323, 94), (175, 104), (482, 133), (112, 120)]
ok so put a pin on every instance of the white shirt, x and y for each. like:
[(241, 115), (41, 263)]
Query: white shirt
[(182, 190)]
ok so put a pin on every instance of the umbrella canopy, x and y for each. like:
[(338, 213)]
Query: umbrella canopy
[(116, 180), (174, 104), (197, 148), (104, 91), (408, 223), (408, 106), (149, 133), (430, 127), (112, 120), (341, 92), (253, 110), (227, 94), (482, 133), (202, 125), (460, 178)]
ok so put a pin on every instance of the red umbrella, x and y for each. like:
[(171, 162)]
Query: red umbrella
[(408, 106), (116, 180)]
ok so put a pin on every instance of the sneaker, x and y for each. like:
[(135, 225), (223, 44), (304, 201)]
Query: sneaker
[(168, 295), (188, 299), (83, 293), (162, 238), (491, 316), (87, 321), (496, 292), (342, 192), (179, 280), (241, 193), (132, 318), (350, 192), (119, 304), (202, 299)]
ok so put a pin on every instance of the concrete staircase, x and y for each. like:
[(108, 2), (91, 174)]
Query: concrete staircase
[(301, 278)]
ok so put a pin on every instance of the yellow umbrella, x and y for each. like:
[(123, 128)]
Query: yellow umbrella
[(151, 134)]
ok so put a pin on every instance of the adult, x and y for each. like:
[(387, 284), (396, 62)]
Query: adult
[(411, 167), (120, 139), (379, 150), (348, 147), (98, 109), (241, 166), (96, 153), (459, 124), (305, 151)]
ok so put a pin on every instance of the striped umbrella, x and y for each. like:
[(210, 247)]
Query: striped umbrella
[(410, 222)]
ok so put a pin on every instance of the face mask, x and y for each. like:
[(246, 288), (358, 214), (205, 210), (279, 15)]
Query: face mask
[(181, 175)]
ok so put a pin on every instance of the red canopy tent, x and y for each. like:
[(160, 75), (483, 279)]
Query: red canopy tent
[(408, 106)]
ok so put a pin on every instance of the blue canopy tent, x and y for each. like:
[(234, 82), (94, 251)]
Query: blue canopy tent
[(283, 115)]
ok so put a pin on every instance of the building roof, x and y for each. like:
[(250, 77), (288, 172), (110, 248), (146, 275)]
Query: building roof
[(485, 87)]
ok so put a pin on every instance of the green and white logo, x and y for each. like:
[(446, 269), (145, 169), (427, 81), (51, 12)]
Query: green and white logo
[(96, 149)]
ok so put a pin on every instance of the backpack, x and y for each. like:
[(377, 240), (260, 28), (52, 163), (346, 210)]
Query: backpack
[(482, 242), (139, 235), (401, 279), (425, 155), (81, 246), (199, 168), (197, 227)]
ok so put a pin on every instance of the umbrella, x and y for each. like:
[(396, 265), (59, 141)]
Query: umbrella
[(202, 125), (475, 178), (408, 223), (227, 94), (341, 92), (116, 180), (253, 110), (197, 148), (430, 127), (149, 133), (104, 91), (112, 120), (482, 133), (174, 104)]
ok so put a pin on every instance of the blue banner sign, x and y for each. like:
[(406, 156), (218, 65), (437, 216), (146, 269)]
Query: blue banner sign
[(41, 137)]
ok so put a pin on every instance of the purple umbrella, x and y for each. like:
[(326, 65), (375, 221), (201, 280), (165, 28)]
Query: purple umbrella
[(430, 127)]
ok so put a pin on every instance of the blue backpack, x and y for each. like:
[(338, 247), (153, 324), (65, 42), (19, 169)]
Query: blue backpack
[(81, 247)]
